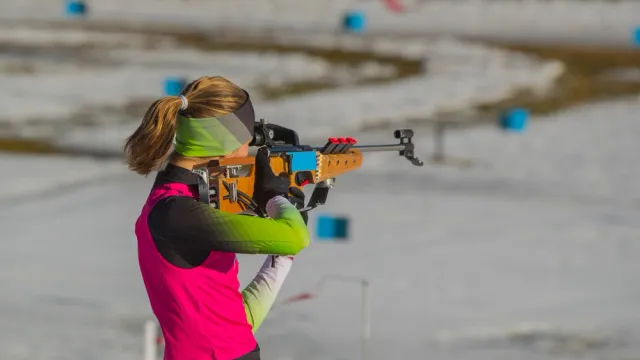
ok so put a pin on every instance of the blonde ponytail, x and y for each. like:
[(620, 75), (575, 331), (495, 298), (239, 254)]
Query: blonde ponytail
[(209, 96), (148, 147)]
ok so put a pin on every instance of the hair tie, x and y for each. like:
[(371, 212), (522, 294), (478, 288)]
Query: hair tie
[(185, 102)]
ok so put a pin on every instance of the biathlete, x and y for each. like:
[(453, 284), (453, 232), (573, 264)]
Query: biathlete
[(186, 249)]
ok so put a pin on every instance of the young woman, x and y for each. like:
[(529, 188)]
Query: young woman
[(186, 249)]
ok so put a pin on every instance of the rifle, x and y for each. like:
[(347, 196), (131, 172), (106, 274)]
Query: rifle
[(227, 184)]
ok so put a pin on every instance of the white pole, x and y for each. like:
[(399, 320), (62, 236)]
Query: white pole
[(150, 340), (366, 319), (438, 153), (366, 307)]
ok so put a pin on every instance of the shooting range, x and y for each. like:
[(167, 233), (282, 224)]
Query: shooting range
[(517, 238)]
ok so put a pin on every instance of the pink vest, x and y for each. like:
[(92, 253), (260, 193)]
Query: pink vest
[(200, 310)]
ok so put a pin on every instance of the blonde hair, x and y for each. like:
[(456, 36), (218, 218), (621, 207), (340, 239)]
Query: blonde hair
[(209, 96)]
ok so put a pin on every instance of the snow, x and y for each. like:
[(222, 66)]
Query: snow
[(448, 88), (587, 22), (74, 37), (120, 85), (125, 73), (572, 139), (460, 74), (68, 264), (529, 253), (42, 176), (537, 243)]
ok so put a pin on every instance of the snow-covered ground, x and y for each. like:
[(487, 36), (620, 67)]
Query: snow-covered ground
[(459, 75), (530, 254), (572, 21), (61, 92), (125, 68), (577, 140)]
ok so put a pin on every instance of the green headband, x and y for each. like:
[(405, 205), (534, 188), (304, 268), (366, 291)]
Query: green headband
[(210, 136)]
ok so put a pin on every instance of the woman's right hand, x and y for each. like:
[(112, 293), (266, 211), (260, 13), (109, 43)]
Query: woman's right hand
[(267, 185)]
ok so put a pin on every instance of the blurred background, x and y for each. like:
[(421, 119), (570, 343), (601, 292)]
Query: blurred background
[(518, 239)]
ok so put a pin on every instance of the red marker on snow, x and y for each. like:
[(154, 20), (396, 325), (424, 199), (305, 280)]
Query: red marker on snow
[(299, 297), (394, 5)]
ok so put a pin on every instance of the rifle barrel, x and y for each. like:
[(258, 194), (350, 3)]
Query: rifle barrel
[(389, 147), (363, 148)]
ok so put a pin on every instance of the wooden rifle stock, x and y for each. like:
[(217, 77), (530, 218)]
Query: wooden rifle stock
[(227, 184)]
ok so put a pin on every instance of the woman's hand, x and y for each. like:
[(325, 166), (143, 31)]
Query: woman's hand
[(267, 185)]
